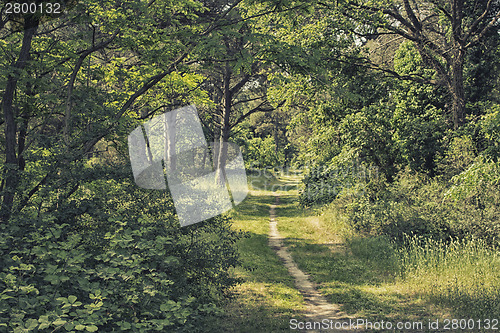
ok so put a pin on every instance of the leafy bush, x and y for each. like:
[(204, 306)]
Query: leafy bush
[(391, 209), (136, 271), (417, 205), (261, 153), (345, 172), (462, 201), (475, 194), (459, 155), (490, 128)]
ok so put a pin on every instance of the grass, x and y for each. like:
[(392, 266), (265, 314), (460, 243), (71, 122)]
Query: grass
[(373, 279), (266, 300), (359, 274), (463, 275), (368, 276)]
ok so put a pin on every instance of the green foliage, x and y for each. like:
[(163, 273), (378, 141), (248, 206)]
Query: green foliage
[(369, 133), (490, 128), (475, 193), (350, 113), (85, 249), (418, 122), (262, 153), (404, 128), (458, 156), (345, 172), (414, 204), (140, 276)]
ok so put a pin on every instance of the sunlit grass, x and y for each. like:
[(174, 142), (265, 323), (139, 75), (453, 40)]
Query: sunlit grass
[(369, 276), (266, 299), (374, 279), (464, 275)]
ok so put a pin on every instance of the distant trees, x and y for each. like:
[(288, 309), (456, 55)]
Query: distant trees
[(398, 120), (236, 63), (392, 80)]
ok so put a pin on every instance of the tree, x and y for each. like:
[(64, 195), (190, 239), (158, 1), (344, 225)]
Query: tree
[(444, 32), (72, 88), (79, 79), (235, 65), (418, 121), (10, 180)]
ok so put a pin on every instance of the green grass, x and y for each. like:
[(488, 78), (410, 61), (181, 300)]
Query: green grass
[(266, 300), (368, 276), (374, 280), (464, 275), (360, 274)]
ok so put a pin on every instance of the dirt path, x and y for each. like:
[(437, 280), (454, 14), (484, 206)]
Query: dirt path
[(318, 308)]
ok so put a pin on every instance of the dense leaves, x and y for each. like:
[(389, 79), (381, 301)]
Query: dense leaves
[(140, 276)]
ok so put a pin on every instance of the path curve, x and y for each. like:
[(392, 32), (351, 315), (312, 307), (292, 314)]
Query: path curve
[(318, 308)]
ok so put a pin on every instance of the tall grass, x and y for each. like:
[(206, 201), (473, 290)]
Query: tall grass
[(462, 274)]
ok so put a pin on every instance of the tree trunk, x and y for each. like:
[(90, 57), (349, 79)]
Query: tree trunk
[(275, 133), (11, 161), (457, 91), (170, 134), (225, 128)]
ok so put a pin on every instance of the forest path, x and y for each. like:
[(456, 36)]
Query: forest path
[(295, 264), (317, 306)]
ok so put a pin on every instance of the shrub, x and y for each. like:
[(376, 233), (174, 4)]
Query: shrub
[(136, 271), (490, 128), (415, 204), (475, 194), (261, 153), (345, 172)]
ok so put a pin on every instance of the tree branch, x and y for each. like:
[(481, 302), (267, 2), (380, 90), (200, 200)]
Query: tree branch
[(488, 27), (148, 85), (411, 14), (72, 82), (475, 25), (258, 108)]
